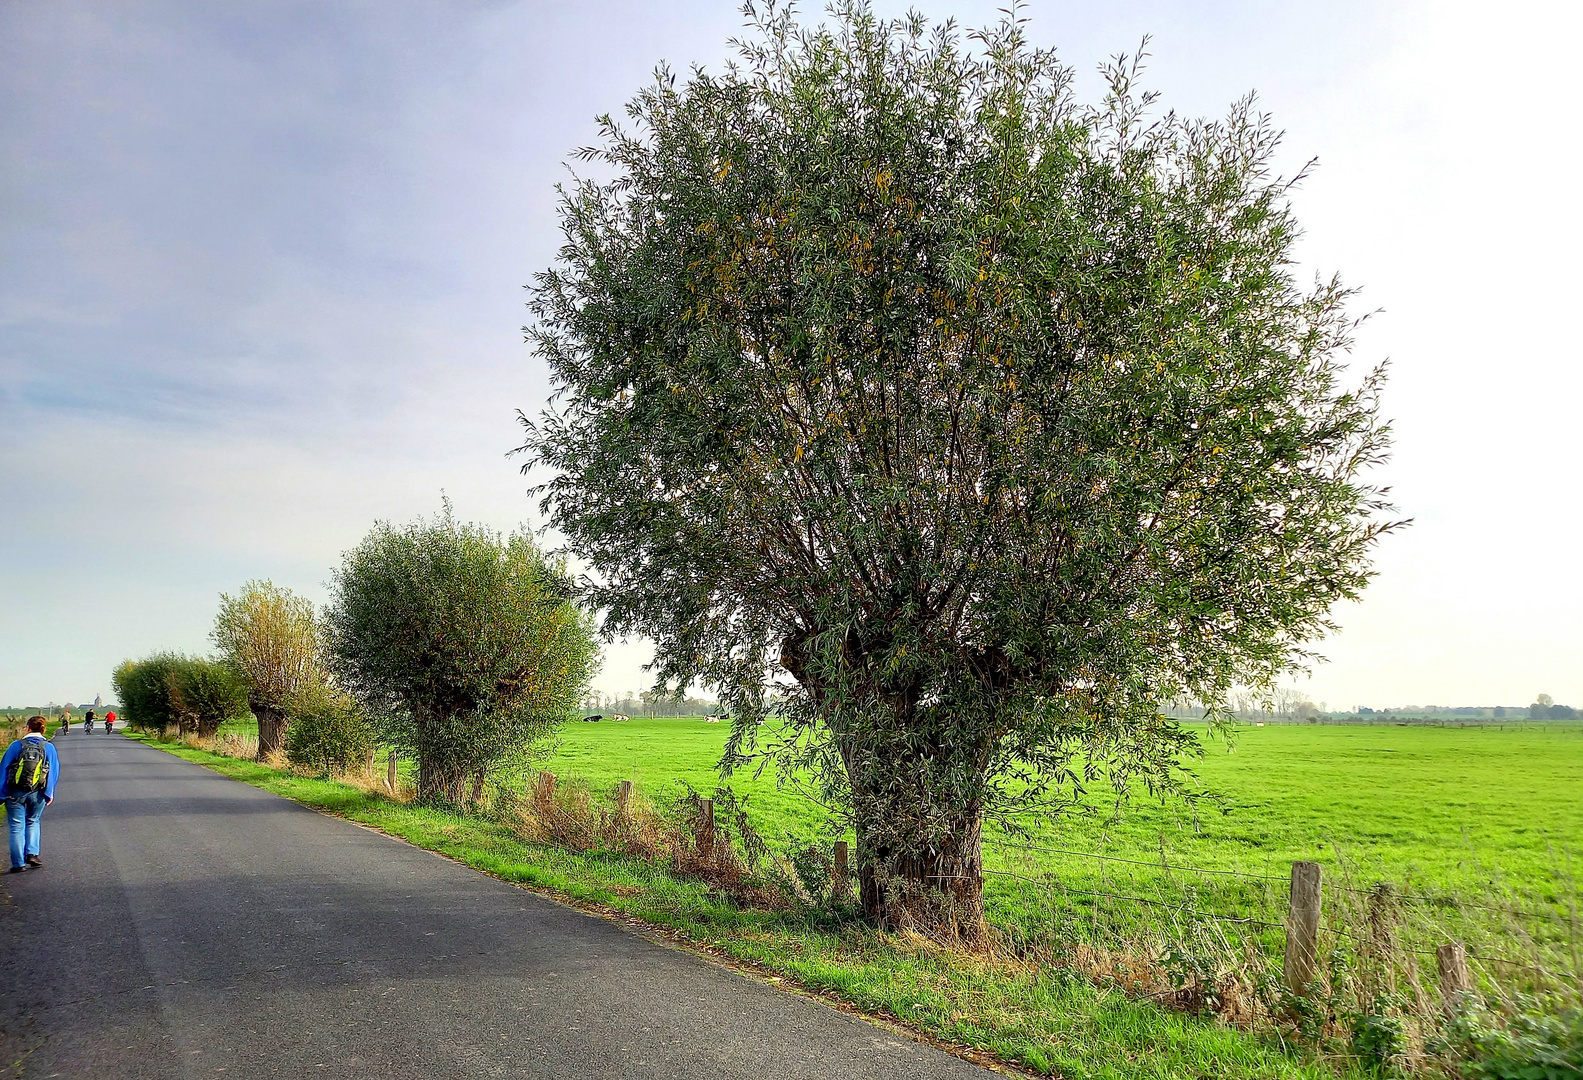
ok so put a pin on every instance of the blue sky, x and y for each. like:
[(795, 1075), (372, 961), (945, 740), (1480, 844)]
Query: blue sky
[(261, 272)]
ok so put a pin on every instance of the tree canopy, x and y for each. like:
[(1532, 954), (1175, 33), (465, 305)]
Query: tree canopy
[(269, 636), (967, 420), (463, 646)]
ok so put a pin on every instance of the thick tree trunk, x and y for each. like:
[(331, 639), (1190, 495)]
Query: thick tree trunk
[(938, 890), (436, 784), (271, 729)]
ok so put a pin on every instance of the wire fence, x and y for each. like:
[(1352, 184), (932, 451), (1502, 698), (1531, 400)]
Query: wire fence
[(1367, 938)]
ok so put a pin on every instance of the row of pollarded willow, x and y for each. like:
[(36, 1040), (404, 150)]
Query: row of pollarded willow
[(448, 641), (967, 420), (170, 690)]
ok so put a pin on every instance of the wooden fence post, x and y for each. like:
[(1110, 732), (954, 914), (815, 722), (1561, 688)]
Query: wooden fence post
[(623, 798), (840, 870), (546, 789), (1302, 928), (1456, 981), (706, 833), (370, 762), (1380, 945), (390, 771)]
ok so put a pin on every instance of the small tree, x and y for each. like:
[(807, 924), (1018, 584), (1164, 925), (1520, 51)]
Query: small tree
[(328, 733), (270, 638), (143, 688), (464, 646), (204, 694), (972, 420)]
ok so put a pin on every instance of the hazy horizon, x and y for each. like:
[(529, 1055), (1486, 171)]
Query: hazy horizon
[(262, 275)]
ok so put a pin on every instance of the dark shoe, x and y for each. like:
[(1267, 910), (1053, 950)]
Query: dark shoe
[(18, 869), (34, 861)]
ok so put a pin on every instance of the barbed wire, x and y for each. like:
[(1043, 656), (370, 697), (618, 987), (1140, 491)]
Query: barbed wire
[(1261, 923), (1246, 920), (1160, 865), (1437, 901)]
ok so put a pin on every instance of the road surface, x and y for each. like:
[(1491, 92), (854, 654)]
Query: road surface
[(186, 925)]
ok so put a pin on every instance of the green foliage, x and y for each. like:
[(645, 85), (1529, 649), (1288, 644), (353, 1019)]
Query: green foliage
[(143, 688), (270, 638), (464, 645), (1379, 1034), (203, 694), (1525, 1047), (328, 734), (971, 420)]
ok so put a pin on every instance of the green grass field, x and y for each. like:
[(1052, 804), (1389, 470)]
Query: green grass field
[(1458, 820), (1445, 808)]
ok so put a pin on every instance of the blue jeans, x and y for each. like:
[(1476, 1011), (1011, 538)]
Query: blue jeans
[(22, 814)]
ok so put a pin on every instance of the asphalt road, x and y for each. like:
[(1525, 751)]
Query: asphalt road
[(186, 925)]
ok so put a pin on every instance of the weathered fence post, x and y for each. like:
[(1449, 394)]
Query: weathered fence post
[(390, 771), (706, 830), (840, 871), (546, 789), (370, 765), (1456, 981), (1380, 945), (1302, 928), (623, 798)]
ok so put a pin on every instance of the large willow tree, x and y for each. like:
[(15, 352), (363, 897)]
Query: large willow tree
[(964, 420)]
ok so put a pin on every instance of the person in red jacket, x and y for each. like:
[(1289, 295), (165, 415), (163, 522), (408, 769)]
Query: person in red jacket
[(109, 722)]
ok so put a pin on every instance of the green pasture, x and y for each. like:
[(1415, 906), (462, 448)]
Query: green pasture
[(1452, 816), (1436, 807)]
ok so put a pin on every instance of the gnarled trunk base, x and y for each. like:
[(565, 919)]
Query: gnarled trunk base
[(441, 785), (939, 893), (272, 725)]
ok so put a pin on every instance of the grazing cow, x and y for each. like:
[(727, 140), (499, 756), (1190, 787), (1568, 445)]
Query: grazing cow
[(593, 719), (620, 717)]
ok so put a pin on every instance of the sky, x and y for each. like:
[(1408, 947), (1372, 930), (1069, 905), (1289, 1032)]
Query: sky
[(262, 269)]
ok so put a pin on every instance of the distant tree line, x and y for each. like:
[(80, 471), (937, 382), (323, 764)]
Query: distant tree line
[(648, 703), (1545, 708)]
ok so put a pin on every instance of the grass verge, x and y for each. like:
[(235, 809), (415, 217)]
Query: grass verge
[(1044, 1020)]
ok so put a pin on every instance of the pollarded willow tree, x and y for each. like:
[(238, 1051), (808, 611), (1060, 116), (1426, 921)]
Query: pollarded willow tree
[(965, 420), (269, 636), (464, 647)]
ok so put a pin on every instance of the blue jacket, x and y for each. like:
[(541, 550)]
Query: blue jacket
[(14, 751)]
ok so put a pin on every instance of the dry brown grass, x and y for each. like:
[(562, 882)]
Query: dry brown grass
[(728, 856), (245, 748)]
